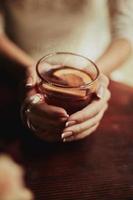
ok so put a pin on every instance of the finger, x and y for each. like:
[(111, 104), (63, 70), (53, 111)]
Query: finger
[(30, 82), (45, 121), (43, 129), (45, 110), (102, 86), (89, 111), (31, 76), (38, 127), (43, 134), (82, 135), (104, 80), (103, 93), (86, 133), (79, 128)]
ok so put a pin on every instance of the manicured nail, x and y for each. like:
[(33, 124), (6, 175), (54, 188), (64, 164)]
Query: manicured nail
[(30, 81), (66, 134), (100, 92), (65, 115), (64, 119), (69, 139), (70, 123)]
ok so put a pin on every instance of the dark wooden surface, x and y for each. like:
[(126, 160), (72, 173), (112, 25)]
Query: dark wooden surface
[(97, 168)]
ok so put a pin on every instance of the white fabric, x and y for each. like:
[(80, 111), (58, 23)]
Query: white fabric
[(82, 26), (122, 20)]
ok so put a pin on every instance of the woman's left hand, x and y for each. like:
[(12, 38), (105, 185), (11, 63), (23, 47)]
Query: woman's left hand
[(86, 121)]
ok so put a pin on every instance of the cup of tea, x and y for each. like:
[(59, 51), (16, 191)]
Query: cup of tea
[(66, 80)]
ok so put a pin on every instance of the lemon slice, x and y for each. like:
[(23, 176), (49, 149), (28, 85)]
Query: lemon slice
[(68, 92), (72, 77)]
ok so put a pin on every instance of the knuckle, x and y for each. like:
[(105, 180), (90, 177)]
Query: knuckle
[(94, 128), (82, 117), (107, 81), (77, 130), (87, 132), (100, 116), (104, 80), (81, 136), (108, 95), (35, 107), (106, 107), (95, 108), (96, 125), (99, 106)]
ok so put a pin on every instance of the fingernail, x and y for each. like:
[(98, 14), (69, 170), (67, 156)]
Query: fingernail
[(64, 115), (64, 119), (69, 139), (100, 92), (70, 123), (30, 81), (66, 134), (29, 84)]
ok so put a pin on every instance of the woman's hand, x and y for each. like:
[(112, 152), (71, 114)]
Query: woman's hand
[(86, 121), (42, 118)]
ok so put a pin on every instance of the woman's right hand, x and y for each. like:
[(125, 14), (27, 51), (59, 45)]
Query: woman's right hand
[(43, 118)]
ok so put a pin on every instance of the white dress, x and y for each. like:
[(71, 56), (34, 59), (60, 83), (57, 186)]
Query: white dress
[(81, 26)]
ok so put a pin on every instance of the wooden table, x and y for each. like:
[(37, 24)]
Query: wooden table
[(99, 167)]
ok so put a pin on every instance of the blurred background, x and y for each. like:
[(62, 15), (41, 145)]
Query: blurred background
[(125, 73)]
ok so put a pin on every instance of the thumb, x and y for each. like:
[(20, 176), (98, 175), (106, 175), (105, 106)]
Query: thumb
[(31, 77), (102, 86), (28, 87), (31, 81)]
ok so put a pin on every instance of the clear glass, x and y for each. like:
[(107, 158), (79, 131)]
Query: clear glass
[(67, 80)]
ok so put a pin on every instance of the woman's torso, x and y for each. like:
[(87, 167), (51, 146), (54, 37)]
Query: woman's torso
[(42, 26)]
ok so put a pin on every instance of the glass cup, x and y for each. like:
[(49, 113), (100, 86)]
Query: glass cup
[(66, 80)]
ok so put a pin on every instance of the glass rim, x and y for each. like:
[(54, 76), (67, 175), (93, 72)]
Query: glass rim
[(63, 86)]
